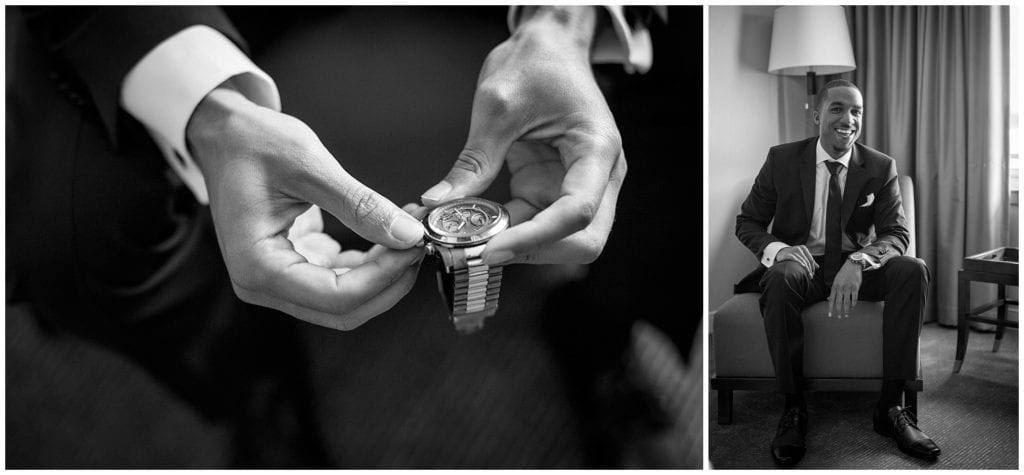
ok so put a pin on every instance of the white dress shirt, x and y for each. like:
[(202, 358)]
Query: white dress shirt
[(625, 44), (816, 239), (164, 88)]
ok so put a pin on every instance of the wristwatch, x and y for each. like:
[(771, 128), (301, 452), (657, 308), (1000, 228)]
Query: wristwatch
[(456, 232), (860, 259)]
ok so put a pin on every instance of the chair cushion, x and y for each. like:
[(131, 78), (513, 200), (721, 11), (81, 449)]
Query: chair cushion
[(833, 348)]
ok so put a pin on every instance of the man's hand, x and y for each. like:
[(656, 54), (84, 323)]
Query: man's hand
[(801, 255), (264, 172), (845, 287), (538, 107)]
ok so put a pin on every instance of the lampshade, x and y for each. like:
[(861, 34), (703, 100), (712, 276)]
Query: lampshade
[(810, 39)]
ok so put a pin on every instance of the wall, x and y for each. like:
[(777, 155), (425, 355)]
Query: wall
[(749, 111)]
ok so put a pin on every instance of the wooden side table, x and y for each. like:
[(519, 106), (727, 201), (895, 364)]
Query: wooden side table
[(998, 266)]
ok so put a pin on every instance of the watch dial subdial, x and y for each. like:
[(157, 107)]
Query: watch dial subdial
[(465, 219), (478, 218)]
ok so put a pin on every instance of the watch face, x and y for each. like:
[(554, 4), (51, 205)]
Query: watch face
[(466, 222)]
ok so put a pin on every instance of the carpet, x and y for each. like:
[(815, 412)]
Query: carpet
[(971, 415)]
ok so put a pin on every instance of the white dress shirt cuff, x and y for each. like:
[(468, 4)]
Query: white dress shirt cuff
[(872, 263), (625, 44), (164, 88), (768, 256)]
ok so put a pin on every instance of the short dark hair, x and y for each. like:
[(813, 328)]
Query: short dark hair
[(823, 93)]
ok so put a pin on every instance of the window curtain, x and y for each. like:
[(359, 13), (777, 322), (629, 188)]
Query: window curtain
[(935, 83)]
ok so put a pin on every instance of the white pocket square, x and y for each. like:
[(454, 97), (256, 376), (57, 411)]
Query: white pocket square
[(867, 201)]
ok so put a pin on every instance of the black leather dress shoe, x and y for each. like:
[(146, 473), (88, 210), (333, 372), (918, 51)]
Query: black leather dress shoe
[(788, 446), (901, 424)]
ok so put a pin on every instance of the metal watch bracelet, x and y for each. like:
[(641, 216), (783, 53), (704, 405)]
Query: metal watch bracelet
[(470, 287)]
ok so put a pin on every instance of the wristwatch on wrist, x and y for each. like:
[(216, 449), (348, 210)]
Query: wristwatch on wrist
[(457, 232), (860, 259)]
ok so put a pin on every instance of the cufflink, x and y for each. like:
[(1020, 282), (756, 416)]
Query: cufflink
[(867, 201)]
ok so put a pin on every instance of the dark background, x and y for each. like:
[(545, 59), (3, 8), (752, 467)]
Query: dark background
[(389, 92)]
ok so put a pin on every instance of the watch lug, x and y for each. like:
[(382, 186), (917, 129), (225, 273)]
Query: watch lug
[(448, 261)]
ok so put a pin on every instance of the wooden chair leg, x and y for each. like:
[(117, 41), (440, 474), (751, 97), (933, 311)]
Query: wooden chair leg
[(724, 406)]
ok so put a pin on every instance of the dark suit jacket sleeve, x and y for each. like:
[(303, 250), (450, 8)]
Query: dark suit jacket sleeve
[(102, 44), (758, 210), (893, 235)]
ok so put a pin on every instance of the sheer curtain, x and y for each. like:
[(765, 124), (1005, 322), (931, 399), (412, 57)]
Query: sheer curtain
[(935, 83)]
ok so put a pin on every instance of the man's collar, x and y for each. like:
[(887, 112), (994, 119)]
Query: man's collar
[(821, 155)]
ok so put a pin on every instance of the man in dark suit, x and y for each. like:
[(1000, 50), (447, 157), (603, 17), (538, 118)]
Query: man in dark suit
[(839, 234)]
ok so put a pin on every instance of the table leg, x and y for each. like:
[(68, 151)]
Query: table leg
[(963, 307), (1001, 315)]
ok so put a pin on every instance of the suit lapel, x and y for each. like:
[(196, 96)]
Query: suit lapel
[(856, 176), (807, 181)]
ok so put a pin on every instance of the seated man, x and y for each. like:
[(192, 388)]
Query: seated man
[(839, 234)]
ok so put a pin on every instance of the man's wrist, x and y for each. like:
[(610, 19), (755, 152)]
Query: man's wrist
[(854, 265), (575, 22), (209, 118)]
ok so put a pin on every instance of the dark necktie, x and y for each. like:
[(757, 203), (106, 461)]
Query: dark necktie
[(833, 231)]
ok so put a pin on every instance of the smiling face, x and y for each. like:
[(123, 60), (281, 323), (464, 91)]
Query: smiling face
[(839, 119)]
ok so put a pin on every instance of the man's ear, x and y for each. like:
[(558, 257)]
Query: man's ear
[(816, 115)]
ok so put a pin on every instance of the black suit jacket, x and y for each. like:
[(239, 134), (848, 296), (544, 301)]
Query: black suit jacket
[(86, 185), (97, 46), (871, 214)]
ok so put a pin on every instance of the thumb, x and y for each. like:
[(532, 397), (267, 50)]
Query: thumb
[(367, 212), (475, 168)]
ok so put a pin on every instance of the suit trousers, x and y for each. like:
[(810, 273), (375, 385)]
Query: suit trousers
[(787, 288)]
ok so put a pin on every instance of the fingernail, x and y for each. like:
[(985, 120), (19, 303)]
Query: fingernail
[(406, 229), (497, 257), (437, 193), (415, 210)]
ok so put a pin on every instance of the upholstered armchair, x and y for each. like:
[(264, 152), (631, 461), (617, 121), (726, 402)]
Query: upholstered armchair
[(839, 354)]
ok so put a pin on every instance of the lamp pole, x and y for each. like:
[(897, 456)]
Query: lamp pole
[(812, 90), (812, 86)]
